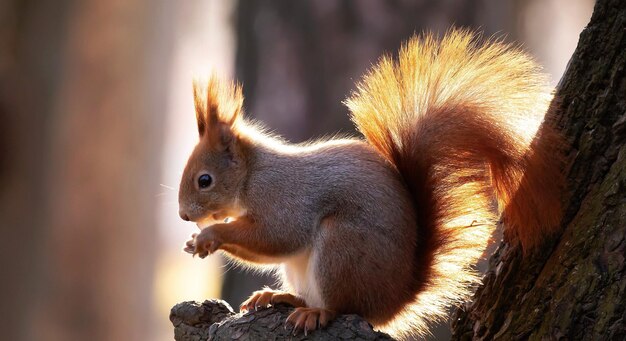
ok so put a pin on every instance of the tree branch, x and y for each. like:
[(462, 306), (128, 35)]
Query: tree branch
[(215, 320)]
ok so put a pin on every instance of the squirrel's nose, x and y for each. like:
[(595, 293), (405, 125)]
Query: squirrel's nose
[(183, 215)]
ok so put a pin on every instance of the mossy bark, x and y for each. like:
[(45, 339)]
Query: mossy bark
[(573, 288)]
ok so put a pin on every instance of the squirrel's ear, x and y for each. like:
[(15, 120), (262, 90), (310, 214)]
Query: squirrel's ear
[(222, 137), (218, 107)]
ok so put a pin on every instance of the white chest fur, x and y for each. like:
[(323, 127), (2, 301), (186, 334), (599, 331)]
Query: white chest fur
[(299, 278)]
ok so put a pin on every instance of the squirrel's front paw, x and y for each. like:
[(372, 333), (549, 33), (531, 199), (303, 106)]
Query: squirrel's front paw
[(190, 245), (202, 244)]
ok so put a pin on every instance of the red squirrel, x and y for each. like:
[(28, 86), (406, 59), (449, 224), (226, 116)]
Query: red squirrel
[(387, 227)]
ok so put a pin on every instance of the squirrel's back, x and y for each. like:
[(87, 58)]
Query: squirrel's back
[(459, 120), (345, 171)]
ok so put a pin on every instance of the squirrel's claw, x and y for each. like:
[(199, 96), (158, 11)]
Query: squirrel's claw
[(259, 300), (190, 245), (264, 298), (309, 319)]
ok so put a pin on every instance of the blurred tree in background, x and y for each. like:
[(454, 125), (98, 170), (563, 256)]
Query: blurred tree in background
[(81, 98), (299, 60)]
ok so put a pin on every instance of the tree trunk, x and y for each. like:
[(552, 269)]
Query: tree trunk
[(574, 287)]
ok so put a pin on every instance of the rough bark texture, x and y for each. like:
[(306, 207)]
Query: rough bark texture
[(574, 288), (215, 320)]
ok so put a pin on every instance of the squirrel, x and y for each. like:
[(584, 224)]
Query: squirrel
[(387, 227)]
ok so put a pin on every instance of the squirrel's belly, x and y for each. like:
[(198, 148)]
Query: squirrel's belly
[(299, 278)]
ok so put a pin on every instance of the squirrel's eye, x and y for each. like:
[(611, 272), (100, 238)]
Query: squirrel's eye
[(204, 181)]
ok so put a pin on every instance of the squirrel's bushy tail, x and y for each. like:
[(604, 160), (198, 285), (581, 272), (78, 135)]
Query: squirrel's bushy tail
[(458, 118)]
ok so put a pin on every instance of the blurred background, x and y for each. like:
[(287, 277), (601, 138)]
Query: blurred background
[(96, 123)]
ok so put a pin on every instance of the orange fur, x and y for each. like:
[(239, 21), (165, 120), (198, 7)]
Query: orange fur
[(457, 119), (452, 128)]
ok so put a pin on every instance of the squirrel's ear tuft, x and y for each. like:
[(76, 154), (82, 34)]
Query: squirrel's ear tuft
[(200, 107), (219, 107)]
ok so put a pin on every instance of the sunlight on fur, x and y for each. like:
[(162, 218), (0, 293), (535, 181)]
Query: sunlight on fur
[(492, 88)]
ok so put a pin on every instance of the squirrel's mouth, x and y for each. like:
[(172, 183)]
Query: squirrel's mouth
[(212, 219)]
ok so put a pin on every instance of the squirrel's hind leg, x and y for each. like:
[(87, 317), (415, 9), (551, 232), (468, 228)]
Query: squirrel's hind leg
[(351, 266)]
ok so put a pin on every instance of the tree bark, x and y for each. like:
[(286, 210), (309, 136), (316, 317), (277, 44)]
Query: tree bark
[(574, 287), (215, 320)]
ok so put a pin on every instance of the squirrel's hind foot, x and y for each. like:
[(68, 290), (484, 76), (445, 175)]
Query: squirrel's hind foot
[(309, 319)]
